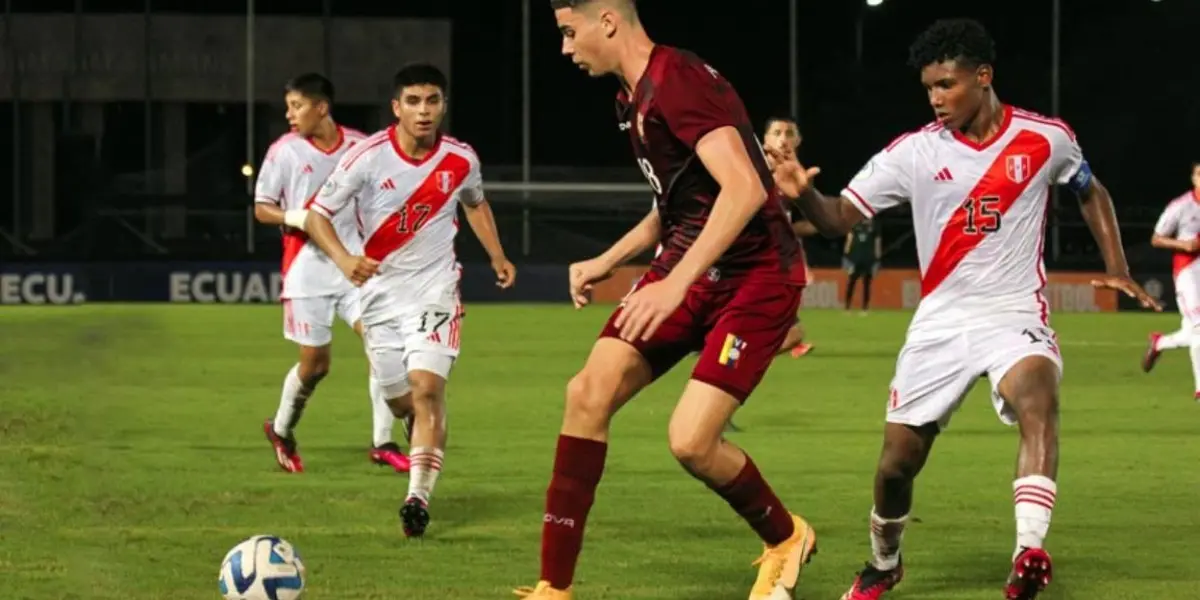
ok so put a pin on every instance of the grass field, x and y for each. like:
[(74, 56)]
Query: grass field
[(131, 459)]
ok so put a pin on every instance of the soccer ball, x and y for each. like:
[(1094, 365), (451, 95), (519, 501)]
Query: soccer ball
[(263, 567)]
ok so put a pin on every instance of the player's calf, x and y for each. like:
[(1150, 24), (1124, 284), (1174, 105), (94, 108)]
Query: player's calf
[(427, 453), (614, 372), (1030, 388), (298, 386), (905, 450)]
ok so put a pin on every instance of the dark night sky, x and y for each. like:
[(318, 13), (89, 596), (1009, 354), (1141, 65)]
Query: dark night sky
[(1129, 76)]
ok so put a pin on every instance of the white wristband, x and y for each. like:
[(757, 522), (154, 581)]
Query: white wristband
[(295, 218)]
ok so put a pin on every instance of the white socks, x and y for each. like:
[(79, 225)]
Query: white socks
[(1178, 339), (423, 475), (885, 541), (1033, 497), (381, 414), (291, 403)]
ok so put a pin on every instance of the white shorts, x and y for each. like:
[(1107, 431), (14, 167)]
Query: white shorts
[(938, 367), (309, 321), (1187, 296), (422, 338)]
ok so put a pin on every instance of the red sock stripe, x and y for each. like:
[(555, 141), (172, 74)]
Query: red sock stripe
[(1034, 496), (428, 460), (1035, 488)]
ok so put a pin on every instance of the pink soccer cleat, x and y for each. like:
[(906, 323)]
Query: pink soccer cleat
[(389, 454), (801, 349), (285, 450), (872, 584), (1030, 575), (1152, 353)]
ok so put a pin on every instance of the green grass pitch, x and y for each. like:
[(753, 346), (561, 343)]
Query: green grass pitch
[(131, 459)]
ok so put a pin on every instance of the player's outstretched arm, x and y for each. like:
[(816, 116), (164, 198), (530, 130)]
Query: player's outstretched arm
[(1097, 206), (636, 241), (1169, 243), (483, 223), (831, 217), (742, 194)]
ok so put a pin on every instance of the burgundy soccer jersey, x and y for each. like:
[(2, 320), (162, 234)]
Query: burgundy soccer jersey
[(677, 101)]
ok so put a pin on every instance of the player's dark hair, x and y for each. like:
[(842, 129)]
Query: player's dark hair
[(780, 118), (419, 74), (962, 40), (313, 86), (629, 7), (1195, 163)]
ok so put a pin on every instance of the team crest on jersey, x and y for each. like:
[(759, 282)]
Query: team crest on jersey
[(1017, 168), (445, 181), (329, 188)]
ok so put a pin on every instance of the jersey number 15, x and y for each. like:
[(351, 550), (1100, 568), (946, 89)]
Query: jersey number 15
[(982, 215)]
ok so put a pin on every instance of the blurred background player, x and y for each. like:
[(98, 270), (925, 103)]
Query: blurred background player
[(314, 290), (404, 184), (864, 248), (782, 133), (727, 284), (1178, 230), (971, 320)]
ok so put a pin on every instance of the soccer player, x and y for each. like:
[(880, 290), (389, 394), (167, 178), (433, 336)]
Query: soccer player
[(978, 180), (314, 291), (1178, 230), (864, 247), (404, 185), (783, 134), (726, 284)]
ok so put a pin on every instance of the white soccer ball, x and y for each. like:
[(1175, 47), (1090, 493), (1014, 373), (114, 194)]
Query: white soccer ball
[(263, 567)]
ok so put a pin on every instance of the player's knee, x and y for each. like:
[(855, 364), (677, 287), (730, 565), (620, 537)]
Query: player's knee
[(426, 391), (314, 364), (904, 451), (694, 452), (589, 399)]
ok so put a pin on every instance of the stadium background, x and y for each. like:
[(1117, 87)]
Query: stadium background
[(131, 454), (132, 119)]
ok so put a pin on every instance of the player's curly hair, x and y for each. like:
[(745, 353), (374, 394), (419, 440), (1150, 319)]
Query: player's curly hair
[(963, 40)]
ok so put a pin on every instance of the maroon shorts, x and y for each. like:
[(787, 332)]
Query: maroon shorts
[(736, 331)]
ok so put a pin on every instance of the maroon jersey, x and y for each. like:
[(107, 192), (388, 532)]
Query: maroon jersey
[(678, 100)]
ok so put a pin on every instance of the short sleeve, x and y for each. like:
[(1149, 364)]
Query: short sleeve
[(472, 187), (885, 181), (342, 186), (694, 99), (1071, 169), (269, 187), (1168, 221)]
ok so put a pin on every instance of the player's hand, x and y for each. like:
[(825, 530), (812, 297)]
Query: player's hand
[(791, 177), (506, 273), (1192, 246), (646, 309), (358, 269), (1129, 287), (583, 276)]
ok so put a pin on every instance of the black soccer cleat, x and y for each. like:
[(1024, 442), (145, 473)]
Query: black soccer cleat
[(415, 517)]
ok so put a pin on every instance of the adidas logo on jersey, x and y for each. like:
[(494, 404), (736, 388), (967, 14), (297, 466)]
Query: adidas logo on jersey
[(943, 175), (307, 169), (387, 184)]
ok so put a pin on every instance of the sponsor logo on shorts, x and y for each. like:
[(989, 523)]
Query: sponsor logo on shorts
[(731, 351)]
